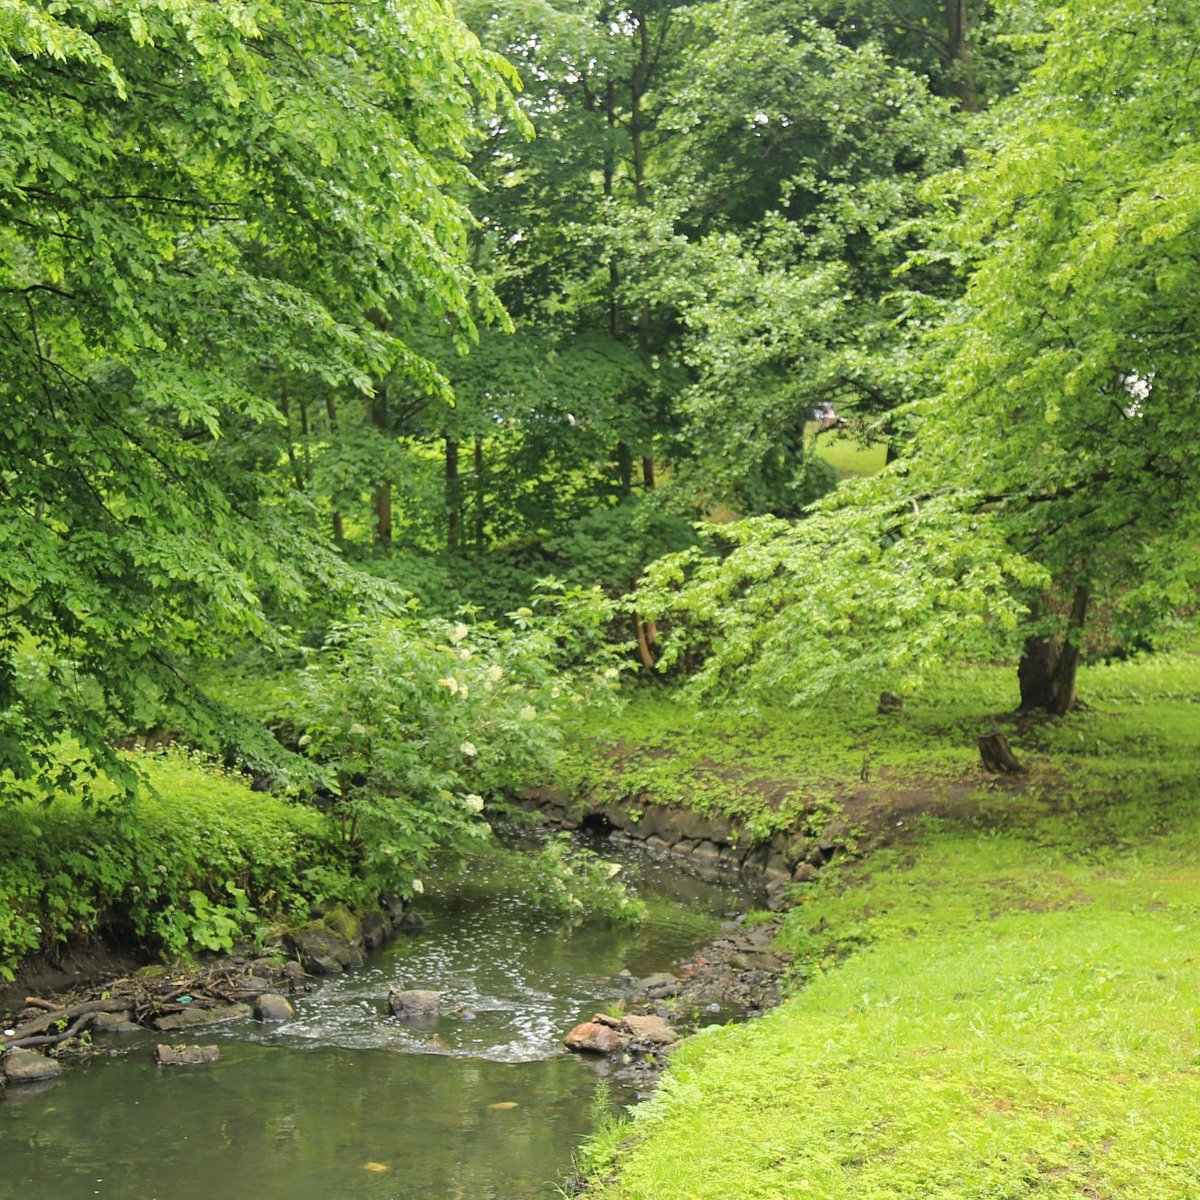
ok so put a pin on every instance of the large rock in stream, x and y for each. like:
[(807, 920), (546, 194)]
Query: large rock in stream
[(185, 1056), (115, 1022), (614, 1035), (649, 1032), (189, 1018), (344, 923), (415, 1005), (270, 1006), (376, 929), (660, 985), (591, 1037), (320, 950), (28, 1066)]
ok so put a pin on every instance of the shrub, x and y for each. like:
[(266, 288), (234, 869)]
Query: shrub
[(569, 881), (417, 723)]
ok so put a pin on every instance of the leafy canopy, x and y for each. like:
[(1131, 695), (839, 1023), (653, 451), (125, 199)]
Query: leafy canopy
[(200, 202), (1061, 447)]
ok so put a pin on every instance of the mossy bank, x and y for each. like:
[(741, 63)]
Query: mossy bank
[(196, 863)]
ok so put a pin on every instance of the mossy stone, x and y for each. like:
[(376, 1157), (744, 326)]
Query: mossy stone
[(344, 923)]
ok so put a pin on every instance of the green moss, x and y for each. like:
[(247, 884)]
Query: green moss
[(344, 923)]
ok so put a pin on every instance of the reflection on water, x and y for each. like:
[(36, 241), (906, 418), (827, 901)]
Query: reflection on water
[(271, 1122), (345, 1101)]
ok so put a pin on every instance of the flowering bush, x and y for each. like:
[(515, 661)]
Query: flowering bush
[(417, 722)]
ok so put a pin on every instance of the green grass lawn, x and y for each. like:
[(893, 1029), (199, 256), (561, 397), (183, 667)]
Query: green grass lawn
[(766, 767), (1002, 1005), (847, 455)]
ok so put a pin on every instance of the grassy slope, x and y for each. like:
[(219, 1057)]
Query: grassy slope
[(197, 862), (1005, 1005), (766, 768)]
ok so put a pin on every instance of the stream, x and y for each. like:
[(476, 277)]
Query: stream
[(346, 1102)]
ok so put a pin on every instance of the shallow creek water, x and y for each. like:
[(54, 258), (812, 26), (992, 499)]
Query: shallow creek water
[(346, 1102)]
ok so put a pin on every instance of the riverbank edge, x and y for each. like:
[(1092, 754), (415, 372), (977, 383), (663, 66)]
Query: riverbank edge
[(124, 988), (115, 987), (1098, 786), (792, 855), (738, 969), (336, 938)]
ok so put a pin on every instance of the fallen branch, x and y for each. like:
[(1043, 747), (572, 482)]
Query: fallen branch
[(38, 1025), (53, 1039)]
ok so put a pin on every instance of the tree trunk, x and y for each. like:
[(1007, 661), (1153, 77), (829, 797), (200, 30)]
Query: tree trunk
[(1048, 666), (958, 42), (339, 527), (624, 453), (637, 129), (383, 517), (645, 635), (383, 491), (624, 468), (453, 497), (306, 441), (480, 502), (286, 408)]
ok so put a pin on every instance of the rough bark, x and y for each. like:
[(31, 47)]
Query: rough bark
[(1049, 664), (480, 498), (648, 480), (383, 491), (286, 409), (339, 528), (624, 468), (453, 497), (646, 635), (997, 755), (77, 1014), (958, 41), (306, 441)]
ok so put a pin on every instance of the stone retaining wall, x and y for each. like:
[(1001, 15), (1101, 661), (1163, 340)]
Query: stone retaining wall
[(789, 855)]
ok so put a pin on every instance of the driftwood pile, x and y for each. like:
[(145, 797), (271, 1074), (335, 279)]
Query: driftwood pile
[(145, 996)]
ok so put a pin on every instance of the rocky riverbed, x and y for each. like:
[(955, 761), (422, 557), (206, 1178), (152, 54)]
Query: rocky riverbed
[(738, 973)]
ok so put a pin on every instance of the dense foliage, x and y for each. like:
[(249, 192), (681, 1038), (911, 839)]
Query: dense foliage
[(199, 863), (1051, 471), (417, 724), (302, 332), (202, 207)]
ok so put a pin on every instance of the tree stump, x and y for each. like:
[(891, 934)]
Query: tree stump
[(996, 754)]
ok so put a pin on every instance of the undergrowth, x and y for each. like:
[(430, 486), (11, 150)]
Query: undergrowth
[(196, 862), (766, 767), (560, 879)]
